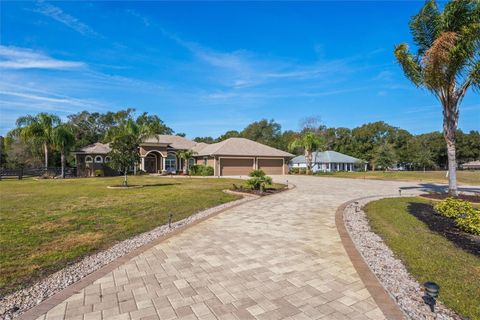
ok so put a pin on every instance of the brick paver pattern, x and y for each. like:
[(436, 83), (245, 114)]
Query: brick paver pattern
[(278, 257)]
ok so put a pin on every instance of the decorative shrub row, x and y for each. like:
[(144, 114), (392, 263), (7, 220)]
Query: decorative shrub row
[(201, 170), (466, 217)]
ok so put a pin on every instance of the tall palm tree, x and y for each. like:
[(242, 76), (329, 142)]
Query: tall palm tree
[(38, 130), (309, 142), (447, 62), (63, 140), (185, 155)]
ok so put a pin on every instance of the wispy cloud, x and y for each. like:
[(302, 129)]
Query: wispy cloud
[(70, 21), (21, 58), (146, 21)]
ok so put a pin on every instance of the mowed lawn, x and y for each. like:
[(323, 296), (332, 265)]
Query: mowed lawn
[(464, 177), (47, 224), (428, 255)]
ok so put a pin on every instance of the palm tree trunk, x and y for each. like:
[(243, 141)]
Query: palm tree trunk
[(185, 163), (45, 150), (450, 121), (62, 158), (308, 160), (125, 182)]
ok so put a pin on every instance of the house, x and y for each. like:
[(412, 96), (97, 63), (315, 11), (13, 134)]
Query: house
[(471, 165), (329, 161), (234, 156)]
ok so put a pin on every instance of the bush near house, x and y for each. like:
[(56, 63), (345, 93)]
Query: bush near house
[(466, 217), (201, 170)]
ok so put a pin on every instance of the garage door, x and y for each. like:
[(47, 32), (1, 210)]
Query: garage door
[(271, 166), (235, 167)]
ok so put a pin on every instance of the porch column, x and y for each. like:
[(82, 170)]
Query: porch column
[(142, 163), (163, 163)]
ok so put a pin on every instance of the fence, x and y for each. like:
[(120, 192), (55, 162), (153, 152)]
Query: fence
[(21, 173)]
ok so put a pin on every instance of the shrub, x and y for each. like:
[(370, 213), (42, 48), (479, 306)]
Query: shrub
[(294, 170), (302, 171), (98, 173), (259, 180), (201, 170), (470, 222), (453, 208)]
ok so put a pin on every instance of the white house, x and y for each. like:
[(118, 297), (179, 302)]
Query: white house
[(329, 161)]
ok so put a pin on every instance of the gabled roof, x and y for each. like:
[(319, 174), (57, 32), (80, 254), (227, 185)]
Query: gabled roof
[(240, 147), (175, 142), (328, 157), (96, 148)]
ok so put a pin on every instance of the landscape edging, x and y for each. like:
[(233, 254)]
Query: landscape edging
[(382, 297)]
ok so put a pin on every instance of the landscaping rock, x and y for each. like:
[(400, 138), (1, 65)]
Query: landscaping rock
[(390, 271)]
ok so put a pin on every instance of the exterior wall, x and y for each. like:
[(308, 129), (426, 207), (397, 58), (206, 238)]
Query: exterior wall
[(88, 169), (145, 149), (330, 167)]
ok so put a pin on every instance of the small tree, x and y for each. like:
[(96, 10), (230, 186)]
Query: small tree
[(258, 180), (309, 142), (125, 139), (422, 156), (185, 155), (63, 140), (385, 156)]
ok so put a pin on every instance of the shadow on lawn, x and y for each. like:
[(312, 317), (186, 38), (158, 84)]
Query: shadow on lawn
[(445, 227), (160, 185)]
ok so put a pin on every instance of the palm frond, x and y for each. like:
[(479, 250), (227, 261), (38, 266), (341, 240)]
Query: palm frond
[(425, 26), (437, 61), (409, 63)]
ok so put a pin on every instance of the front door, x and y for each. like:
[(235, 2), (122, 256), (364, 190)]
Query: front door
[(151, 164)]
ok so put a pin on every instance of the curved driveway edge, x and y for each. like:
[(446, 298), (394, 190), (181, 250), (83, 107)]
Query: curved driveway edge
[(383, 299)]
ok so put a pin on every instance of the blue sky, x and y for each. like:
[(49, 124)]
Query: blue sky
[(206, 68)]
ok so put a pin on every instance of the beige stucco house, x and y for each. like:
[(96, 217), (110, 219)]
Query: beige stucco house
[(234, 156)]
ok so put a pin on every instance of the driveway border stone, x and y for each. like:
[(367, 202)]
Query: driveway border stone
[(383, 299)]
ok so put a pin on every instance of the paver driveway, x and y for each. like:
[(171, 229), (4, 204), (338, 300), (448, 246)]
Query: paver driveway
[(278, 257)]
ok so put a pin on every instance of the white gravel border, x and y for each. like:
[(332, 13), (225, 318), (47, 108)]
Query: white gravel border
[(390, 271), (13, 305)]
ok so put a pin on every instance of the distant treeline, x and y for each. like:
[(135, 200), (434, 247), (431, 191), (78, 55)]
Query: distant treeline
[(365, 142)]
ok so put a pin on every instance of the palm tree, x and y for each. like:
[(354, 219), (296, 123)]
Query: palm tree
[(447, 62), (309, 142), (185, 155), (125, 139), (63, 140), (38, 130)]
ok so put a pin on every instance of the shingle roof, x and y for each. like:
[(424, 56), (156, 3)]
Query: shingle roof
[(175, 142), (241, 147), (97, 147), (327, 157)]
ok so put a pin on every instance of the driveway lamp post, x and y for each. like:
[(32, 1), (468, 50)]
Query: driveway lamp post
[(431, 293)]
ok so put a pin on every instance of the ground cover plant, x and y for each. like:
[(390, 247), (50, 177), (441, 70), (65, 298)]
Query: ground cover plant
[(432, 248), (47, 224), (464, 177)]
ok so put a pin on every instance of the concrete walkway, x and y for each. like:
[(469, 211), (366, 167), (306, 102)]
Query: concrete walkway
[(278, 257)]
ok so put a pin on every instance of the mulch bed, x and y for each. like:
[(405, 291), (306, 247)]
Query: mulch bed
[(440, 196), (445, 227), (266, 192)]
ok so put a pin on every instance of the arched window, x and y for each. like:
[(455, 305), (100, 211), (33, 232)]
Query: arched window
[(98, 159), (108, 159), (171, 163), (88, 159)]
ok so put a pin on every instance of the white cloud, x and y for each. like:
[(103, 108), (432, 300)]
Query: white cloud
[(21, 58), (70, 21)]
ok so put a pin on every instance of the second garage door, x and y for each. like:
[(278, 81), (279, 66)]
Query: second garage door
[(235, 167), (271, 166)]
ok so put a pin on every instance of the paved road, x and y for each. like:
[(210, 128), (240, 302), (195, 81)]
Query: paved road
[(278, 257)]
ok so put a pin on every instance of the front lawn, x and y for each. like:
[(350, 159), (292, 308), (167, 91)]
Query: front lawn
[(47, 224), (431, 250), (464, 177)]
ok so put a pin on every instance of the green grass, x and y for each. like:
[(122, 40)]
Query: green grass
[(47, 224), (464, 177), (428, 255)]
